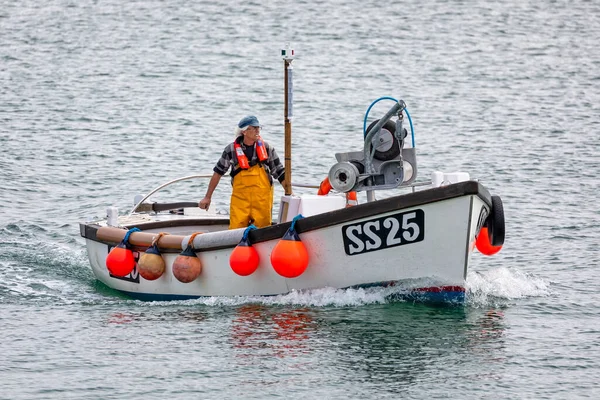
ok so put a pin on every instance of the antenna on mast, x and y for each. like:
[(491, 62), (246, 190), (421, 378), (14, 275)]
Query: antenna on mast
[(288, 56)]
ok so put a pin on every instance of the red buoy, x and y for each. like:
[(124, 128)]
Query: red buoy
[(484, 244), (120, 261), (289, 257), (244, 258)]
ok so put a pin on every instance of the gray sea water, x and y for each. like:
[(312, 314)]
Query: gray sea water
[(102, 100)]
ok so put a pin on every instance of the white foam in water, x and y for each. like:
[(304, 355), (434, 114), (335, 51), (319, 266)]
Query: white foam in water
[(321, 297), (316, 297), (503, 283), (331, 297)]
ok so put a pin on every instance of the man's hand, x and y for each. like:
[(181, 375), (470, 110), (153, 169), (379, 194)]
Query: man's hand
[(204, 203)]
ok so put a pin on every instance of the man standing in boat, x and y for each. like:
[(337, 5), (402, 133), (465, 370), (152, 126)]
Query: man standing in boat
[(254, 164)]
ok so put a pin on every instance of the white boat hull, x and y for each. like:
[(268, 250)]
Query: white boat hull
[(341, 254)]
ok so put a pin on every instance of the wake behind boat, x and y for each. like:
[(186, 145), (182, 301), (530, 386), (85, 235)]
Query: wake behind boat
[(163, 251)]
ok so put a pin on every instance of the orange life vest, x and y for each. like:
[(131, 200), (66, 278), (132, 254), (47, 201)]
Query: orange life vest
[(261, 153)]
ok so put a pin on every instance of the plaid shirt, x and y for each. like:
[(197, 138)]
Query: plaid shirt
[(272, 165)]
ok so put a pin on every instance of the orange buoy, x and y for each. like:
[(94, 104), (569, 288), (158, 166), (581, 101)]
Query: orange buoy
[(289, 257), (187, 266), (151, 265), (324, 187), (120, 261), (484, 244), (351, 199), (244, 258)]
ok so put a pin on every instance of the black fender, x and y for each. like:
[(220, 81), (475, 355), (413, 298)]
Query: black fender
[(495, 222)]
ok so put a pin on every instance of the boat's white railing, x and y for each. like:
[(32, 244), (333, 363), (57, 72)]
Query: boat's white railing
[(184, 178), (139, 203), (204, 176)]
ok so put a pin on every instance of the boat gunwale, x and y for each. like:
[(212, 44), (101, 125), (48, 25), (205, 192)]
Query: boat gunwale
[(319, 221)]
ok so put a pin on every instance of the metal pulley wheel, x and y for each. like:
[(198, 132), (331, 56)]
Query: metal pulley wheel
[(343, 176)]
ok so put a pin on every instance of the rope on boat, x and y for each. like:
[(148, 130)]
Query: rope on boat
[(296, 218), (191, 240), (157, 238), (129, 232), (412, 131), (247, 231)]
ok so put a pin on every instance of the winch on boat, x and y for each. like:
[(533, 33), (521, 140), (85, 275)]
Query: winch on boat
[(384, 163)]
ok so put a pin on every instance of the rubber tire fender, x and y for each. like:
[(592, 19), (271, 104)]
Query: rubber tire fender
[(495, 222), (394, 150)]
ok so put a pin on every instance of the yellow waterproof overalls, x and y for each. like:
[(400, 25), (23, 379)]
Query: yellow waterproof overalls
[(251, 199)]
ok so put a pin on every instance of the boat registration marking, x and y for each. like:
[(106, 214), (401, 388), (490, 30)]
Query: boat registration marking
[(384, 232)]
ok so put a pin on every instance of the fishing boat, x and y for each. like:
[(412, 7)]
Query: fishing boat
[(420, 239)]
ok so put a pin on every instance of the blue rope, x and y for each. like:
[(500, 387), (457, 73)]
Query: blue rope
[(369, 109), (129, 232), (247, 231), (296, 218), (412, 131)]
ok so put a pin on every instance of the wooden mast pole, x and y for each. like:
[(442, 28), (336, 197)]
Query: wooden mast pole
[(288, 57)]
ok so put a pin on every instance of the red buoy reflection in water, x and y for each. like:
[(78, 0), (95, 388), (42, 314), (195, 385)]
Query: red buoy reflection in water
[(257, 327)]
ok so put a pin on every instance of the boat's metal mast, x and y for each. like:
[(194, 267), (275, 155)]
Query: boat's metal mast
[(288, 57)]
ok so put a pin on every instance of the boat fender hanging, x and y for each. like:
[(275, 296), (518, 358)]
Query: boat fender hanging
[(120, 261), (289, 257), (483, 243), (495, 222), (491, 236), (151, 265), (244, 258), (325, 188), (187, 266)]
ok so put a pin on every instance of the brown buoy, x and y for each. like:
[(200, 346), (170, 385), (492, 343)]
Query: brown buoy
[(151, 265), (187, 266)]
